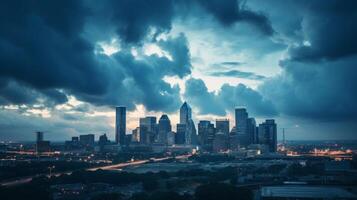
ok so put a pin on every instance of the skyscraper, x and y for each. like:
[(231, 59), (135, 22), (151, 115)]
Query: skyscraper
[(164, 128), (185, 113), (252, 131), (180, 134), (206, 133), (120, 124), (267, 134), (241, 116), (190, 134), (148, 130), (39, 136), (186, 130), (222, 125)]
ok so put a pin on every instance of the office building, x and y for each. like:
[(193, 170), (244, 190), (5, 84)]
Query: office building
[(267, 134), (120, 124), (135, 136), (148, 130), (185, 113), (41, 144), (241, 117), (233, 142), (222, 125), (87, 140), (252, 131), (180, 134), (206, 133), (191, 133), (220, 142), (171, 138), (164, 127), (39, 136)]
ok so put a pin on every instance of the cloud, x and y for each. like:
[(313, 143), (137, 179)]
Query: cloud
[(232, 11), (238, 74), (333, 17), (226, 99), (318, 76), (134, 20), (46, 55), (232, 63)]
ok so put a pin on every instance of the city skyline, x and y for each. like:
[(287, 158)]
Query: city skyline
[(178, 99), (64, 66)]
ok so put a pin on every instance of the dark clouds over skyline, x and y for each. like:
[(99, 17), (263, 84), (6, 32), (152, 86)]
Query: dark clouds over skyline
[(50, 51)]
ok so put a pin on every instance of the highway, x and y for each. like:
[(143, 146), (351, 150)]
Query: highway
[(28, 179)]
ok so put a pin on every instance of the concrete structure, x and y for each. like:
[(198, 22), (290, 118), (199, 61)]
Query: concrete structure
[(148, 130), (180, 134), (87, 140), (164, 127), (241, 117), (185, 113), (120, 125), (220, 142), (267, 134), (206, 133), (304, 192), (222, 125)]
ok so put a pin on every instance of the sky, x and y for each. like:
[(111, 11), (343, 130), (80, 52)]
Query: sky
[(65, 65)]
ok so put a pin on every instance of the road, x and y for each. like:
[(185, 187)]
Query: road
[(28, 179)]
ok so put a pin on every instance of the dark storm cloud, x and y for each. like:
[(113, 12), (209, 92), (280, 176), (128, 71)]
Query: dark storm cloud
[(135, 19), (226, 99), (319, 78), (41, 46), (45, 52), (14, 93), (232, 11), (238, 74), (330, 27)]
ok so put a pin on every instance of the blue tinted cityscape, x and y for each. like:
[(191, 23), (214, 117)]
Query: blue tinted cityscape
[(178, 100)]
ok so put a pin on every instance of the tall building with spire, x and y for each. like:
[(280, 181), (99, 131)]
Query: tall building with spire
[(185, 113), (120, 124), (186, 131)]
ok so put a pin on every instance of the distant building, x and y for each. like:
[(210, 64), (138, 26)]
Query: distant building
[(180, 134), (171, 138), (87, 140), (222, 125), (220, 142), (103, 139), (304, 192), (148, 130), (73, 144), (135, 136), (252, 131), (241, 117), (206, 133), (164, 127), (191, 133), (41, 144), (233, 142), (185, 113), (186, 130), (267, 134), (120, 124), (39, 136)]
